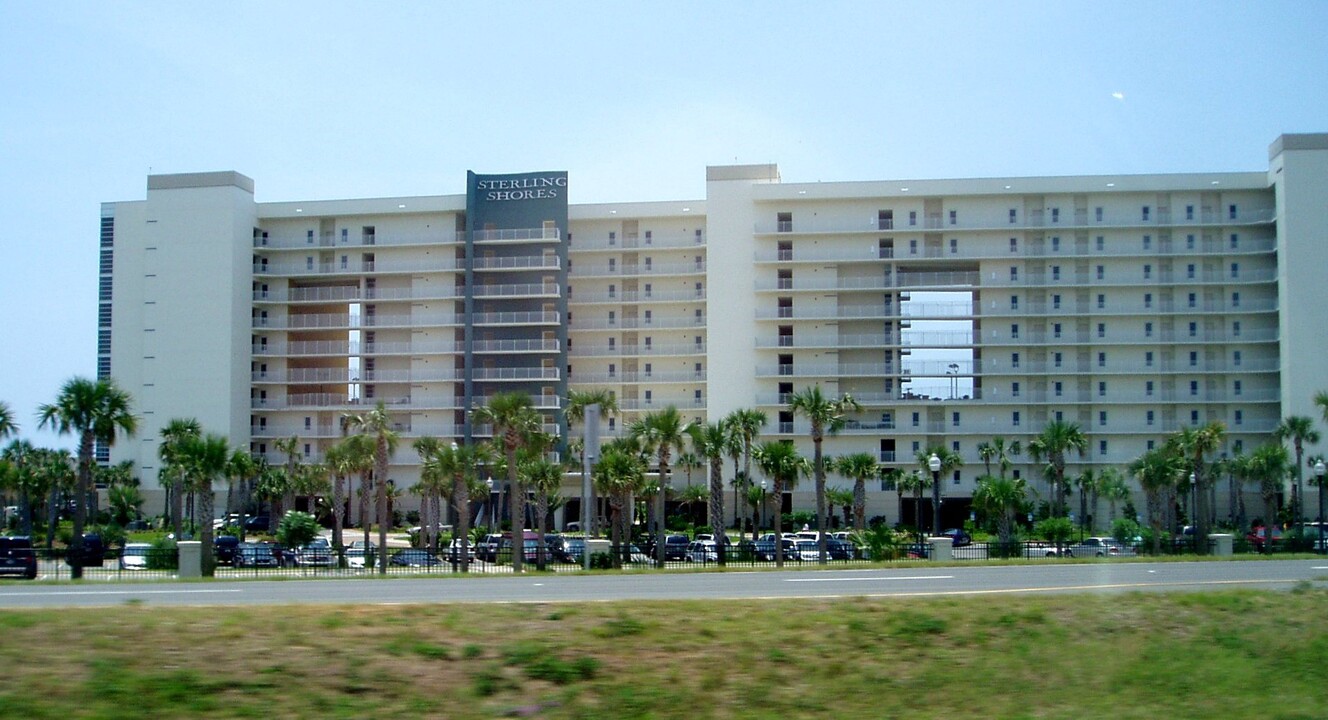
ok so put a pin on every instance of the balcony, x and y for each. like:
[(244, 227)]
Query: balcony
[(515, 374), (830, 225), (516, 318), (519, 262), (634, 296), (351, 293), (518, 290), (637, 323), (356, 240), (519, 235), (356, 267), (615, 378), (637, 242), (516, 346), (638, 350), (343, 375), (625, 270), (339, 347)]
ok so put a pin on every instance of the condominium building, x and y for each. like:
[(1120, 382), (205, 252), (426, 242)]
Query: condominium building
[(954, 311)]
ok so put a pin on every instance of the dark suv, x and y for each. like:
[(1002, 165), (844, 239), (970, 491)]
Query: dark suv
[(17, 557), (675, 547)]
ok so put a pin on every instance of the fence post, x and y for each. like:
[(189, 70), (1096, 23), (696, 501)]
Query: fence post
[(191, 558)]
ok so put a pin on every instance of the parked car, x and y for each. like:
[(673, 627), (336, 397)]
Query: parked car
[(487, 549), (257, 523), (703, 551), (675, 547), (17, 558), (135, 556), (318, 553), (1256, 537), (223, 549), (94, 552), (530, 546), (958, 537), (806, 551), (838, 549), (413, 557), (1098, 547), (255, 555), (570, 550), (709, 536), (358, 555)]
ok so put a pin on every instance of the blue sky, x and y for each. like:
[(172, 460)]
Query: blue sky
[(338, 99)]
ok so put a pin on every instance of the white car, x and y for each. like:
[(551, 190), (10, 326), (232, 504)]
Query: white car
[(355, 555), (1094, 547), (703, 551), (135, 556), (806, 551)]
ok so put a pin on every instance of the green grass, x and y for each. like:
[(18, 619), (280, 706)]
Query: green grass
[(1223, 654)]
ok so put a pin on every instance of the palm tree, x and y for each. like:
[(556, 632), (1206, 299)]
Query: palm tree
[(514, 420), (710, 441), (360, 453), (839, 497), (1001, 497), (688, 462), (377, 424), (543, 477), (96, 411), (341, 463), (20, 457), (619, 473), (692, 494), (58, 475), (1057, 439), (826, 416), (1000, 452), (858, 467), (1111, 486), (291, 447), (917, 483), (744, 426), (172, 437), (662, 432), (1269, 465), (1299, 430), (204, 459), (1158, 471), (458, 464), (1086, 485), (1193, 443), (781, 463), (577, 402), (7, 425), (240, 468)]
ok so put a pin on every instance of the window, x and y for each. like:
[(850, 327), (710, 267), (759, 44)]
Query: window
[(648, 317), (696, 397), (1014, 274), (1148, 242), (309, 237), (1235, 299), (1192, 299), (1151, 444), (1014, 330), (1101, 302), (1055, 243), (1189, 271), (1189, 212), (912, 247), (1102, 418), (784, 222), (1148, 271), (1097, 216), (1235, 270), (1146, 213), (1194, 388), (649, 237), (954, 217), (1101, 330), (1056, 302), (912, 217), (1101, 389), (915, 419), (1059, 416), (885, 219), (1056, 330), (1148, 329), (613, 290), (1194, 329), (1101, 272), (1014, 216), (1014, 418), (1014, 389), (649, 369), (1235, 358), (649, 396), (954, 246), (1148, 418), (1055, 272), (1148, 300), (1014, 360), (1056, 357), (1231, 212), (1101, 447), (1101, 241), (1148, 388), (613, 264), (1235, 388), (1194, 359), (1014, 302), (954, 421), (613, 369), (1055, 214), (1194, 417), (1235, 328), (1014, 244), (1235, 241), (1148, 359), (1057, 388), (1101, 359), (1189, 241)]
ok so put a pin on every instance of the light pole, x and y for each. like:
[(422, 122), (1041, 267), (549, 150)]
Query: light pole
[(934, 464), (492, 509), (760, 522), (1319, 470), (953, 372)]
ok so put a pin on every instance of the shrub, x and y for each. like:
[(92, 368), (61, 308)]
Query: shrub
[(297, 529), (1124, 531), (1056, 530), (164, 555)]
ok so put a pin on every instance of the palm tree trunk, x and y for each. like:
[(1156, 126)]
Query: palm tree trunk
[(81, 509), (518, 504), (716, 500), (779, 521), (859, 504), (461, 498), (177, 503), (821, 549), (338, 512), (380, 491), (541, 512), (205, 528)]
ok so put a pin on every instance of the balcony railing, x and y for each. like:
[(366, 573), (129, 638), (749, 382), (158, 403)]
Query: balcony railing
[(516, 346), (517, 318), (518, 290), (826, 224), (517, 235)]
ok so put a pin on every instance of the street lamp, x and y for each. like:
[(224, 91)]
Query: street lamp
[(953, 371), (1319, 470), (492, 509), (934, 464), (761, 519), (1194, 509)]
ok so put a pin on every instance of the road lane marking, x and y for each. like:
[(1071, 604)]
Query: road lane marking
[(866, 579), (40, 593)]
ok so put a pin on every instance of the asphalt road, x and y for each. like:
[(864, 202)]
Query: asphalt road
[(914, 581)]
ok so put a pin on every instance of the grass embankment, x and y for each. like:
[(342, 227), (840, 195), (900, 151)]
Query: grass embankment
[(1228, 654)]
